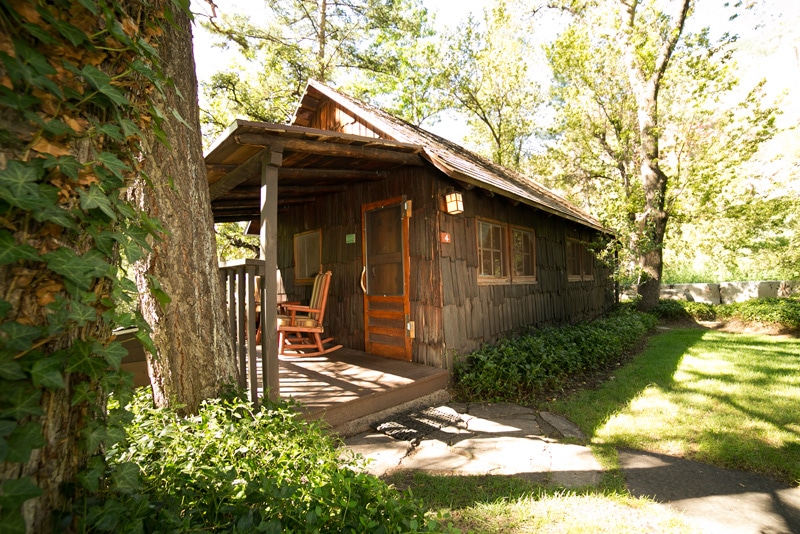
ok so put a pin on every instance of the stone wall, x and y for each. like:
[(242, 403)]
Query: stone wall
[(728, 292)]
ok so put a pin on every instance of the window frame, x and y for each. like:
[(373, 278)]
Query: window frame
[(585, 261), (301, 263), (507, 252), (523, 278)]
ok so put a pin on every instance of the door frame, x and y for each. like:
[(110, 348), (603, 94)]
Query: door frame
[(405, 207)]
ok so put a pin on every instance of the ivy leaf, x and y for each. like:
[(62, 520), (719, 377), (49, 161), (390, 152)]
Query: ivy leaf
[(10, 252), (82, 360), (113, 163), (94, 197), (12, 522), (126, 478), (91, 5), (95, 433), (129, 128), (10, 369), (48, 371), (18, 336), (83, 392), (111, 130), (21, 401), (23, 440), (14, 100), (80, 270), (6, 428), (180, 119), (114, 352), (5, 307), (20, 179), (18, 490), (158, 292), (102, 82), (34, 58), (40, 34), (81, 313), (57, 127)]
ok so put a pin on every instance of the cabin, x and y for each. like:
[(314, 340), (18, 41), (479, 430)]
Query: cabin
[(433, 250)]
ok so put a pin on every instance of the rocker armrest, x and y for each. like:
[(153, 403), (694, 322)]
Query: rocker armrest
[(294, 308), (283, 304)]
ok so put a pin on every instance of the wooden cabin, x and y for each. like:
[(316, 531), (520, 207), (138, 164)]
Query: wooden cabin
[(349, 188)]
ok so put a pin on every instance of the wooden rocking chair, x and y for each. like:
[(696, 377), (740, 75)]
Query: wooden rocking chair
[(299, 332)]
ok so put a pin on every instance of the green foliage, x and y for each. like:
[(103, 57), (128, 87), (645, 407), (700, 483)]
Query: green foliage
[(369, 45), (233, 468), (517, 369), (781, 312), (773, 311), (486, 74), (79, 83)]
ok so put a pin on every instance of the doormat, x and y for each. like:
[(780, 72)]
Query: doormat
[(415, 426)]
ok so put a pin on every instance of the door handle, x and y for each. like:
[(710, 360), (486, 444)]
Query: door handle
[(364, 279)]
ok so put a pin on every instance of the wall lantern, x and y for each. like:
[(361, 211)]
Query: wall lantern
[(454, 204)]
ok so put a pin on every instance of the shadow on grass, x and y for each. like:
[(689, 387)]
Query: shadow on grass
[(656, 366)]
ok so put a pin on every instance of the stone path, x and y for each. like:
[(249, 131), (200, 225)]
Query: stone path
[(507, 439), (490, 439)]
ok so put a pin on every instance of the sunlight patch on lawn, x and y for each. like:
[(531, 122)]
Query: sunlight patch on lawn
[(729, 399)]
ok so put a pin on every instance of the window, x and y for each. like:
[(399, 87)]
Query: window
[(502, 261), (524, 253), (307, 256), (580, 261)]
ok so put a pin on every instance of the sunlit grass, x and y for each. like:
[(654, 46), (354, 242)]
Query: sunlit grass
[(727, 399), (489, 504)]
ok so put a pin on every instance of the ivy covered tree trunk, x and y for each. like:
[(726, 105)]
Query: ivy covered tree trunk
[(194, 356), (81, 87)]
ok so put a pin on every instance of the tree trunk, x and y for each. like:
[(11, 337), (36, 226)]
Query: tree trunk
[(653, 219), (195, 356)]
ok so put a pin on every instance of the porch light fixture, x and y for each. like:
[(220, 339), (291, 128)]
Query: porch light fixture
[(454, 204)]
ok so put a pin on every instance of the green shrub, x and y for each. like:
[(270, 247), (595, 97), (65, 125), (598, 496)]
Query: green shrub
[(234, 469), (670, 309), (783, 312), (517, 369), (776, 311)]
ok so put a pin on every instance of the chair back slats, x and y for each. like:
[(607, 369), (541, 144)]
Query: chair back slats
[(319, 295)]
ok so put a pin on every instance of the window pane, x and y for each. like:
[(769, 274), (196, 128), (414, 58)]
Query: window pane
[(523, 253), (306, 254), (491, 245)]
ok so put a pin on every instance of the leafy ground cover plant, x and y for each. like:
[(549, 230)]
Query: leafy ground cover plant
[(231, 468), (779, 312), (518, 369)]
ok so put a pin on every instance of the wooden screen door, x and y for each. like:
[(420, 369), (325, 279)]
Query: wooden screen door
[(384, 278)]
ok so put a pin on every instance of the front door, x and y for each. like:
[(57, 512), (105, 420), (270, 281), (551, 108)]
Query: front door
[(384, 278)]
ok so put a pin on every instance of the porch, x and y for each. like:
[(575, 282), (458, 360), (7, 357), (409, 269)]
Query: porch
[(338, 387), (347, 385)]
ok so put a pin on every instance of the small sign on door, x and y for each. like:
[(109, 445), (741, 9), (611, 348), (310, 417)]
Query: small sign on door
[(444, 237)]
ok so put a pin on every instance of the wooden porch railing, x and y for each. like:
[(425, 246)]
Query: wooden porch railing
[(239, 285)]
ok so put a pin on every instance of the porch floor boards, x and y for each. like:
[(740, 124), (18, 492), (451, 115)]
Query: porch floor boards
[(348, 384)]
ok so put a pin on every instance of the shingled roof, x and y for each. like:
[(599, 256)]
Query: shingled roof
[(450, 158)]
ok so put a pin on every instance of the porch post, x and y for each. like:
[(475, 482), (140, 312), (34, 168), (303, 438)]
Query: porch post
[(270, 162)]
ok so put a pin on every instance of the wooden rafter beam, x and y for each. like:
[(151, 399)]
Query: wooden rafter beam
[(248, 169), (391, 153), (339, 174)]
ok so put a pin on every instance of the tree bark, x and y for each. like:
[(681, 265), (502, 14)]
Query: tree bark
[(194, 358), (652, 221)]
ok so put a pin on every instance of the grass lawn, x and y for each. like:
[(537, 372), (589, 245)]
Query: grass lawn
[(494, 504), (731, 400)]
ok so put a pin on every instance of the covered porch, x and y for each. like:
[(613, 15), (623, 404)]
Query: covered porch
[(256, 173)]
